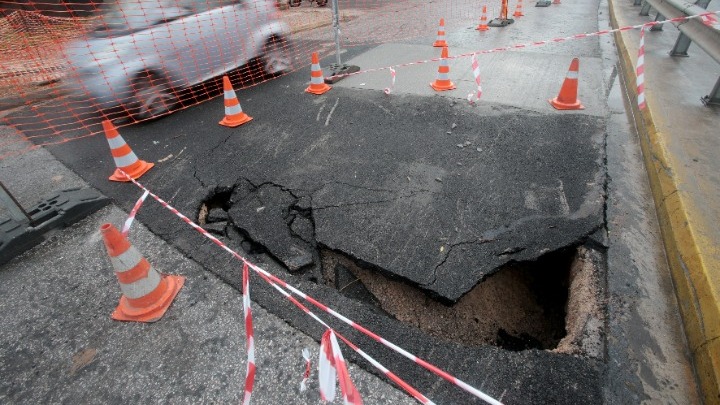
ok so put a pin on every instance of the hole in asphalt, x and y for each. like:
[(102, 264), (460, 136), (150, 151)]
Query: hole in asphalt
[(552, 303), (214, 208)]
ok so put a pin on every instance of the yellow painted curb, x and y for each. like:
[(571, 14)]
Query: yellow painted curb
[(693, 259)]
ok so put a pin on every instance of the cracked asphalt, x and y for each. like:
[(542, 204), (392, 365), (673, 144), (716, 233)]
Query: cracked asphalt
[(425, 188), (388, 188), (385, 186)]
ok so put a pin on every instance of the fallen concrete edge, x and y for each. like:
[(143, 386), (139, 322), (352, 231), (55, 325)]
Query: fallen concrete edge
[(690, 263)]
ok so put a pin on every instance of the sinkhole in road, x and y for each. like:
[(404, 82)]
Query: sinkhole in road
[(554, 302)]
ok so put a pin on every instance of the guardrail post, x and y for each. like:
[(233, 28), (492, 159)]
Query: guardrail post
[(714, 97), (645, 10), (681, 46), (658, 27), (705, 37)]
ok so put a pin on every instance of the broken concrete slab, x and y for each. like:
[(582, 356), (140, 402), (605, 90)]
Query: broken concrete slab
[(266, 214), (410, 204)]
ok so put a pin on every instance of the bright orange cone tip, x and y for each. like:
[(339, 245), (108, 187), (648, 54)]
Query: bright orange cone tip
[(234, 115), (146, 293), (317, 80), (567, 98), (123, 156)]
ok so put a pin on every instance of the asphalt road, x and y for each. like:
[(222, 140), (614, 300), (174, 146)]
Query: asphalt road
[(424, 188), (354, 174)]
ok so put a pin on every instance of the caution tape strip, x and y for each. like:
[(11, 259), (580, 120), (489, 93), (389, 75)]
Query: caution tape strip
[(703, 16), (306, 374), (389, 90), (476, 72), (131, 217), (277, 283), (249, 334), (397, 380), (640, 71)]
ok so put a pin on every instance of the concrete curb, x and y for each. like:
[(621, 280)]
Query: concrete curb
[(692, 256)]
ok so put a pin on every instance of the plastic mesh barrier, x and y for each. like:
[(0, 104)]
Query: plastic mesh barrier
[(132, 60)]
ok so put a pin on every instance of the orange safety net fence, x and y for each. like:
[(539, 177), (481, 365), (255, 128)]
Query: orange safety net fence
[(132, 60)]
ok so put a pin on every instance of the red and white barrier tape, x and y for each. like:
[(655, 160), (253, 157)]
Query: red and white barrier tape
[(389, 90), (389, 374), (711, 21), (476, 72), (247, 311), (271, 279), (428, 366), (128, 222), (308, 368), (350, 394), (640, 71), (704, 16), (327, 373)]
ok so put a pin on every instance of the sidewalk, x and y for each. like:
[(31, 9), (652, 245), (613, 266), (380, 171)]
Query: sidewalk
[(679, 138)]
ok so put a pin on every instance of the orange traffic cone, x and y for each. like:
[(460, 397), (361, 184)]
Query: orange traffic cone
[(483, 21), (556, 1), (147, 294), (440, 41), (518, 9), (124, 157), (567, 98), (234, 115), (443, 82), (317, 80)]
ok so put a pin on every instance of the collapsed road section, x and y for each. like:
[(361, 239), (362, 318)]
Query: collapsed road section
[(499, 203)]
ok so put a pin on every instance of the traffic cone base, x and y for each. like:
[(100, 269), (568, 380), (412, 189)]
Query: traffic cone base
[(443, 86), (126, 312), (559, 105), (233, 122), (318, 89), (138, 170)]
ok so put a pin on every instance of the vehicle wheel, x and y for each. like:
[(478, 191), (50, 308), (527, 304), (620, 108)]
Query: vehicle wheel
[(275, 58), (321, 3), (294, 3), (152, 96)]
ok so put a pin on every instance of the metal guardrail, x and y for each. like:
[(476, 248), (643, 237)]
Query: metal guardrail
[(693, 30)]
